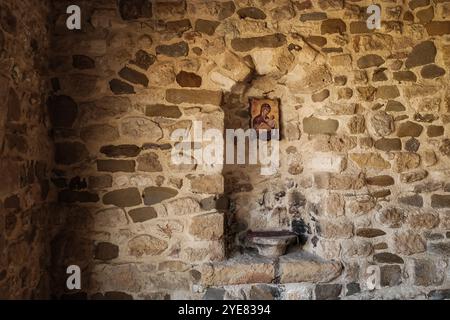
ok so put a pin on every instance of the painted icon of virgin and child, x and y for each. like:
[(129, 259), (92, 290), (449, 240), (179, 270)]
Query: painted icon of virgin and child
[(264, 114)]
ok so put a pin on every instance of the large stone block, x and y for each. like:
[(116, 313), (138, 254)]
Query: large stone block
[(209, 226)]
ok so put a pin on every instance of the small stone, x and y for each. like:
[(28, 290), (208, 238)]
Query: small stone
[(440, 248), (423, 221), (405, 76), (388, 145), (116, 165), (327, 291), (332, 26), (313, 16), (83, 62), (435, 131), (251, 12), (370, 60), (412, 145), (394, 106), (143, 59), (106, 251), (206, 26), (133, 76), (146, 245), (149, 162), (390, 275), (208, 184), (345, 93), (320, 96), (135, 9), (426, 273), (179, 49), (119, 87), (391, 217), (314, 125), (188, 79), (370, 160), (142, 214), (125, 150), (382, 123), (422, 54), (413, 176), (379, 75), (369, 233), (208, 226), (123, 198), (154, 195), (409, 129), (438, 28), (414, 200), (387, 92), (409, 243), (160, 110), (432, 71), (381, 181), (440, 201), (357, 124), (340, 80), (269, 41)]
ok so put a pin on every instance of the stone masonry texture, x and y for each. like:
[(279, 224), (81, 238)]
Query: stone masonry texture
[(85, 141)]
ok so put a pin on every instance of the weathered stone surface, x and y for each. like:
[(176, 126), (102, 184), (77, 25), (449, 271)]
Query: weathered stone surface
[(116, 165), (135, 9), (129, 197), (432, 71), (146, 245), (270, 41), (99, 133), (179, 49), (240, 270), (320, 96), (251, 12), (313, 16), (63, 111), (438, 28), (357, 124), (405, 76), (391, 217), (380, 181), (369, 61), (328, 291), (338, 182), (390, 275), (394, 106), (405, 161), (182, 206), (369, 233), (124, 150), (387, 257), (110, 218), (154, 195), (305, 267), (206, 26), (120, 87), (188, 79), (314, 125), (178, 96), (209, 226), (333, 230), (440, 248), (382, 123), (413, 176), (422, 54), (440, 201), (104, 108), (209, 184), (68, 153), (388, 145), (143, 59), (409, 243), (106, 251), (332, 26), (426, 272), (445, 147), (142, 214), (133, 76), (423, 220), (412, 145), (370, 160), (387, 92), (140, 128), (149, 162), (435, 131), (414, 200)]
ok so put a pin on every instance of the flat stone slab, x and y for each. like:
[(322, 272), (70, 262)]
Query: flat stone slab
[(305, 267)]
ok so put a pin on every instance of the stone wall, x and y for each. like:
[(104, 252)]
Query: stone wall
[(364, 150), (26, 152)]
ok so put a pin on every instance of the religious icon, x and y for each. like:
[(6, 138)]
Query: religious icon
[(265, 115)]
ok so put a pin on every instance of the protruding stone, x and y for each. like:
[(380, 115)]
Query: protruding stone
[(143, 59), (142, 214), (388, 145), (120, 87), (422, 54), (382, 123), (125, 150), (154, 195), (179, 49), (405, 161), (146, 245), (387, 257), (133, 76), (251, 12), (207, 226), (270, 41), (116, 165), (149, 162), (440, 201), (188, 79), (432, 71), (206, 26), (409, 243), (370, 60), (409, 129), (332, 26)]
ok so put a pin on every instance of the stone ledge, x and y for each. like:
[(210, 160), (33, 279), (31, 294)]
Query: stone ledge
[(305, 267), (242, 269)]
